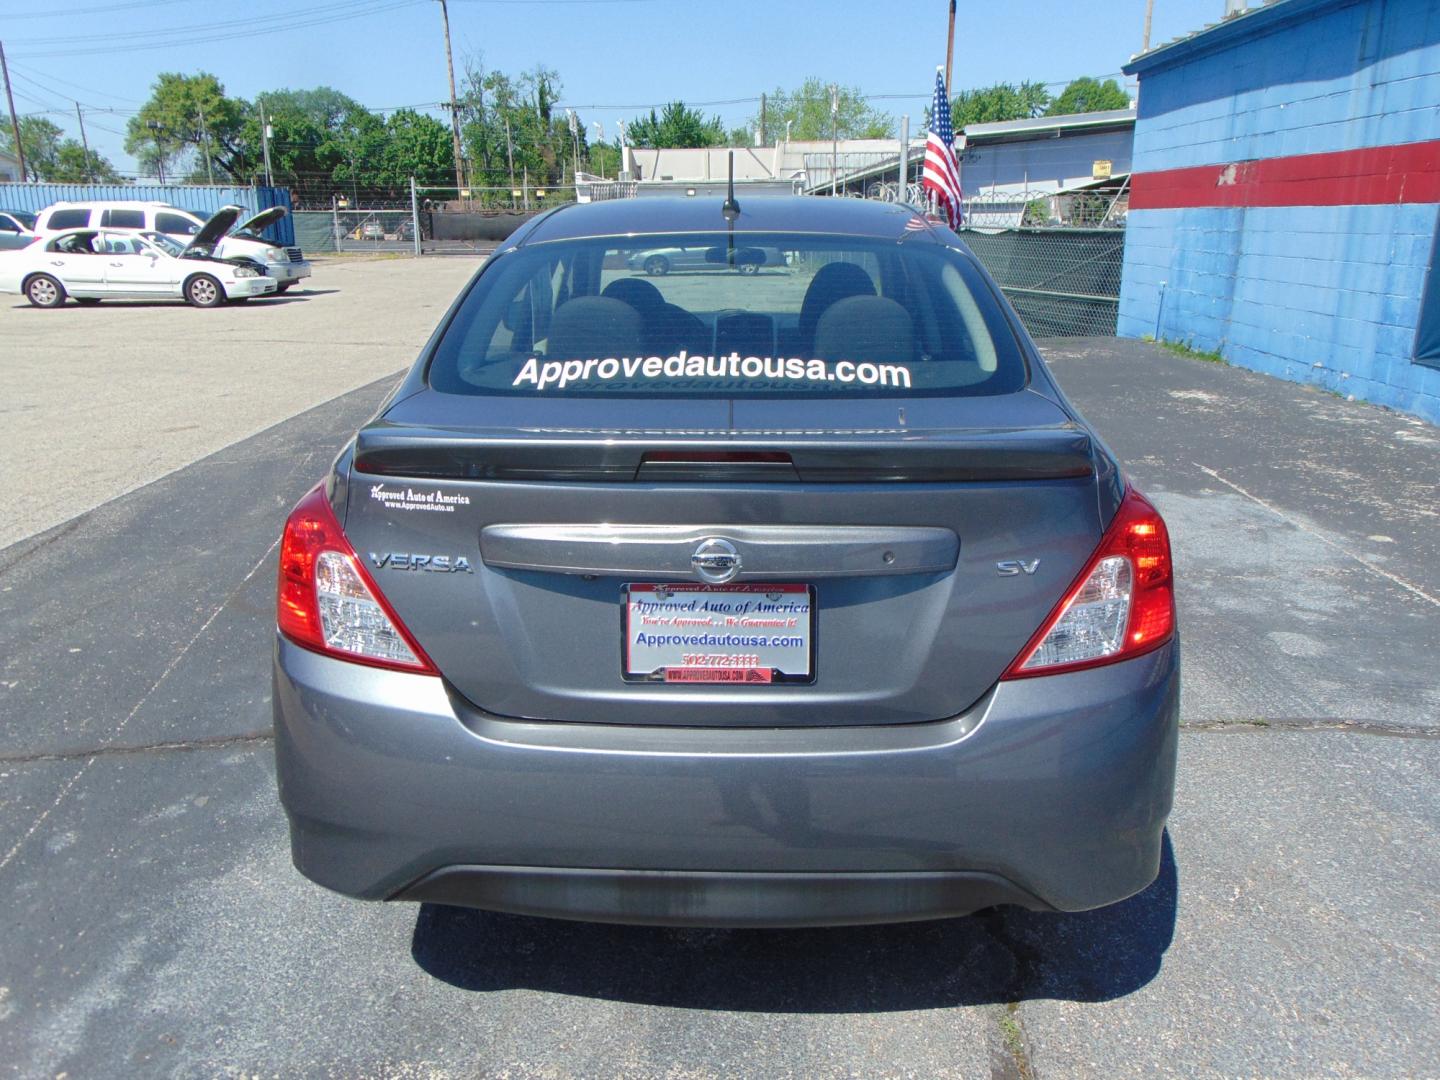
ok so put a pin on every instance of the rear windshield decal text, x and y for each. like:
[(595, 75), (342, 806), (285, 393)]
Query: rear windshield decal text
[(545, 374)]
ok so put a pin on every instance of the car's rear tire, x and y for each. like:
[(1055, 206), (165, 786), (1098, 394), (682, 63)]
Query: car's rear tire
[(749, 268), (204, 291), (88, 301), (44, 291), (657, 265)]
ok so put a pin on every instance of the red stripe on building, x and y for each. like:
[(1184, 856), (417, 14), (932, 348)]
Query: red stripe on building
[(1407, 173)]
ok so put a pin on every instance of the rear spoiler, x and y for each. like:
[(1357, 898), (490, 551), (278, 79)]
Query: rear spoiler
[(1052, 453)]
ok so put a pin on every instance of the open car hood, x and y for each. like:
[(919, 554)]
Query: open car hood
[(214, 230), (260, 221)]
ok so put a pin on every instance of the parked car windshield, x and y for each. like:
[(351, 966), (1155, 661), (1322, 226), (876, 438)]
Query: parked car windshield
[(164, 243), (699, 315), (25, 219)]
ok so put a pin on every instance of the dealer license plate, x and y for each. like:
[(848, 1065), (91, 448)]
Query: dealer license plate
[(745, 634)]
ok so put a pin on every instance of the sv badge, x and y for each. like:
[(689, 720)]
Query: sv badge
[(1015, 567)]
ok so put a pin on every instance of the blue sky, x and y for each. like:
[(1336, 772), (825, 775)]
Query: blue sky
[(615, 56)]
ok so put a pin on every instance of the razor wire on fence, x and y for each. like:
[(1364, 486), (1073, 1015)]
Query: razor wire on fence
[(1041, 208)]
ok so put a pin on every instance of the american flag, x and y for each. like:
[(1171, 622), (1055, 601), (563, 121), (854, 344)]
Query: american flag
[(942, 172)]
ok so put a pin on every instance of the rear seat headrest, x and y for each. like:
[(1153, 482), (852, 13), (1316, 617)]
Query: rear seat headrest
[(594, 326), (861, 328)]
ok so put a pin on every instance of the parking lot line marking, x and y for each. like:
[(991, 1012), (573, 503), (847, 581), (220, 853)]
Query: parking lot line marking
[(1394, 578), (174, 663)]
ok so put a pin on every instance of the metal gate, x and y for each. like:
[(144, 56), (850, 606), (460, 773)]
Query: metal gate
[(1061, 282)]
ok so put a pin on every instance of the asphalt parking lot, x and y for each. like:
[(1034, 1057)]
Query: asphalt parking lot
[(155, 926)]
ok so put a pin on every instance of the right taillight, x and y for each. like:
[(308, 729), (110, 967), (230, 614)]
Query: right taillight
[(1121, 605), (326, 601)]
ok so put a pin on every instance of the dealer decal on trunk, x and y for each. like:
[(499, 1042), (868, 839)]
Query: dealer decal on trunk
[(407, 498)]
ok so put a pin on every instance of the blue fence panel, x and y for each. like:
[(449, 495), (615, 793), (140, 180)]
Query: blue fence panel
[(203, 199)]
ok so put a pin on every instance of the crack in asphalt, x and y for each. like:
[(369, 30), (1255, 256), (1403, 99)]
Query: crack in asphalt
[(212, 742), (1009, 1056), (1320, 724), (94, 755), (1396, 579)]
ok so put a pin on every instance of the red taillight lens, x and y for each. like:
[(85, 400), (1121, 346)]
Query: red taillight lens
[(326, 601), (1121, 605)]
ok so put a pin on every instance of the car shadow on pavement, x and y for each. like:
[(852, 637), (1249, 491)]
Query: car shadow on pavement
[(1001, 955)]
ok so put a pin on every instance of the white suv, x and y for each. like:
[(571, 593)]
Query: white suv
[(286, 265)]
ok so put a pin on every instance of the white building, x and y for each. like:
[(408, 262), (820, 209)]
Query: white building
[(9, 168), (787, 168)]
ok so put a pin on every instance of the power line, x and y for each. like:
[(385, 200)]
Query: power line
[(64, 13), (34, 75), (181, 33), (291, 24)]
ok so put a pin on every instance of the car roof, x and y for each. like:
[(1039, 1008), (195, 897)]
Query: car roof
[(92, 203), (758, 214)]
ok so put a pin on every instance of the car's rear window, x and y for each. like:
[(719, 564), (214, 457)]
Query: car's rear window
[(69, 219), (699, 316)]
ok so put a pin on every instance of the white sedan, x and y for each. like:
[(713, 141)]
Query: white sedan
[(90, 265)]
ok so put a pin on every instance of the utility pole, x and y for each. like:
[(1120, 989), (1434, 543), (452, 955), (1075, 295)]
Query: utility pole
[(575, 144), (84, 142), (265, 146), (205, 134), (14, 120), (510, 160), (454, 105), (950, 49), (903, 192), (763, 140), (834, 135), (157, 129)]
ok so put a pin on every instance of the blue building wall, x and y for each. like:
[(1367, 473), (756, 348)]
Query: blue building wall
[(202, 198), (1324, 294)]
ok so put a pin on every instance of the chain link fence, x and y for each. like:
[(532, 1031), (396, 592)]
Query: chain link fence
[(1061, 282)]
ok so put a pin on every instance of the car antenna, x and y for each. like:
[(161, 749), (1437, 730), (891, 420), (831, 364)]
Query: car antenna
[(731, 210)]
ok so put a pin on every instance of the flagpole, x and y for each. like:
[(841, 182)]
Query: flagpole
[(950, 49)]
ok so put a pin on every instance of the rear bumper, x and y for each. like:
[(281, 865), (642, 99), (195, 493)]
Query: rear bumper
[(1051, 793)]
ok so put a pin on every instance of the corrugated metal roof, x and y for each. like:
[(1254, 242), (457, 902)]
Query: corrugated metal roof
[(1049, 125)]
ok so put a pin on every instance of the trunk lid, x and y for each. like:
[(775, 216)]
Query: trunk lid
[(505, 532)]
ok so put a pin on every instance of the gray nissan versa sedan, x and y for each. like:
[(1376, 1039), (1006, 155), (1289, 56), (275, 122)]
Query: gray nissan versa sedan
[(802, 597)]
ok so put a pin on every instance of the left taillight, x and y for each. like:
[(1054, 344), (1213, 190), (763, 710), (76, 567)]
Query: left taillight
[(1121, 605), (326, 601)]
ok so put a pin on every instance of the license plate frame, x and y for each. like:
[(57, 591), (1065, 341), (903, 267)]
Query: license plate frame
[(761, 674)]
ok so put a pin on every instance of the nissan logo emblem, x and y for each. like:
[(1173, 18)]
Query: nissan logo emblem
[(715, 561)]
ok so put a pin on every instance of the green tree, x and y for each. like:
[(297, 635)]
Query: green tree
[(676, 126), (1002, 101), (419, 146), (75, 165), (512, 117), (1089, 95), (807, 109), (168, 129), (41, 140), (319, 138)]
